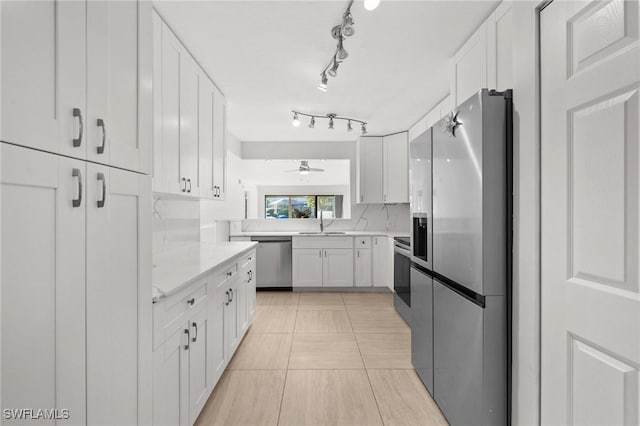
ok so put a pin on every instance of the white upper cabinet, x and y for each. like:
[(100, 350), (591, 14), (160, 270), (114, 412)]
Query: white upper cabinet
[(71, 74), (189, 82), (44, 75), (396, 168), (113, 85), (189, 155), (205, 136), (486, 59), (219, 145), (370, 159)]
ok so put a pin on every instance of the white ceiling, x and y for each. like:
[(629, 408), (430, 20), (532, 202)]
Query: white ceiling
[(275, 173), (266, 56)]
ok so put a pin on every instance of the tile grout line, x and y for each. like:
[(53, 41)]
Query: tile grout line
[(366, 370), (286, 371)]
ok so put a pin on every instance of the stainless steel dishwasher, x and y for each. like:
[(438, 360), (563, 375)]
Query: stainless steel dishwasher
[(273, 262)]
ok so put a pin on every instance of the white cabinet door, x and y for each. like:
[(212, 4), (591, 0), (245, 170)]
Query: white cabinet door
[(240, 296), (251, 292), (189, 89), (500, 47), (216, 334), (219, 144), (396, 168), (198, 357), (382, 258), (470, 66), (370, 170), (43, 281), (363, 266), (307, 267), (112, 85), (117, 256), (171, 380), (231, 337), (205, 135), (337, 269), (43, 75), (168, 96)]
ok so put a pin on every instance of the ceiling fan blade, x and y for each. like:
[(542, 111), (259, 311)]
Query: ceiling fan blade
[(313, 169)]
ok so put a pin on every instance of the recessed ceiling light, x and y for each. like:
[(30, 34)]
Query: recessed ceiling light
[(371, 4)]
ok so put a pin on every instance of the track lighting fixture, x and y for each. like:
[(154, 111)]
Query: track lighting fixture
[(296, 121), (332, 117), (340, 32)]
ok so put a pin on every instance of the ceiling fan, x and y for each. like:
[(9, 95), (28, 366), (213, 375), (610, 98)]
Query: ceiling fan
[(304, 168)]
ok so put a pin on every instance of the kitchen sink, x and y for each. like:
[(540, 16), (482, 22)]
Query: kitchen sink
[(321, 233)]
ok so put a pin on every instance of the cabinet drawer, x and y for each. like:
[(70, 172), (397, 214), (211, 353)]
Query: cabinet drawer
[(170, 311), (247, 259), (224, 273), (322, 242), (362, 242)]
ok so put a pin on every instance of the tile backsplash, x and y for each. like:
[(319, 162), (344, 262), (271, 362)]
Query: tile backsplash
[(364, 217), (174, 220)]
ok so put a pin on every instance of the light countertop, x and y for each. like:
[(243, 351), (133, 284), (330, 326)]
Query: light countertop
[(184, 262), (298, 234)]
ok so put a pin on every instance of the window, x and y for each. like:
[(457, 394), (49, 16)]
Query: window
[(302, 206)]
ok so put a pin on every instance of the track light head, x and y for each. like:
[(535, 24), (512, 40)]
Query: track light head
[(349, 127), (331, 123), (341, 53), (364, 129), (296, 121), (312, 123), (371, 4), (347, 26), (333, 71), (323, 83)]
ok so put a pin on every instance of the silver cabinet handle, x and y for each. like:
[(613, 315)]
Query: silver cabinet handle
[(104, 190), (186, 346), (251, 275), (320, 253), (104, 136), (325, 253), (76, 202), (358, 252), (184, 189), (77, 112), (227, 301), (189, 182), (231, 293), (195, 326)]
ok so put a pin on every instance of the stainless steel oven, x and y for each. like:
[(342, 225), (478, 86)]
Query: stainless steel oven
[(402, 277)]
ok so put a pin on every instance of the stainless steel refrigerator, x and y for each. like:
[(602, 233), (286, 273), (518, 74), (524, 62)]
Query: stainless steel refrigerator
[(462, 285)]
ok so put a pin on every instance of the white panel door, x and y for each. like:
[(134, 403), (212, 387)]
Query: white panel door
[(231, 338), (112, 85), (362, 265), (590, 117), (219, 144), (171, 380), (117, 207), (43, 75), (198, 357), (307, 267), (171, 52), (205, 136), (43, 282), (370, 170), (241, 297), (337, 268), (396, 168)]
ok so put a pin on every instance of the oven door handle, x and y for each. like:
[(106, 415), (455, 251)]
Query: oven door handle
[(404, 252)]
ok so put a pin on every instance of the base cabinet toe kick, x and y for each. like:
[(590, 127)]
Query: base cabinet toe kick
[(196, 331)]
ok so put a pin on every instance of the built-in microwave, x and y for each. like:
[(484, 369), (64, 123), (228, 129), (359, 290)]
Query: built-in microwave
[(420, 240)]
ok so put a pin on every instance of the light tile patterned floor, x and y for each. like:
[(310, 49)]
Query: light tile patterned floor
[(322, 359)]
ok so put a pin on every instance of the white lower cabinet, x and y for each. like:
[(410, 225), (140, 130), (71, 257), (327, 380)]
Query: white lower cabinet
[(382, 258), (196, 332), (337, 268), (362, 268), (307, 267)]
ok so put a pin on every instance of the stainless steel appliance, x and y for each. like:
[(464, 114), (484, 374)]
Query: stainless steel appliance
[(464, 280), (273, 262), (401, 277)]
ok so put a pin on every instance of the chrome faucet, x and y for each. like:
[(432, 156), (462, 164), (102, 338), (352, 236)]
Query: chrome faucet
[(321, 222)]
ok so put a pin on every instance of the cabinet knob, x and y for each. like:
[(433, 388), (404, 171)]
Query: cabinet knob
[(229, 273), (191, 301), (186, 346)]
